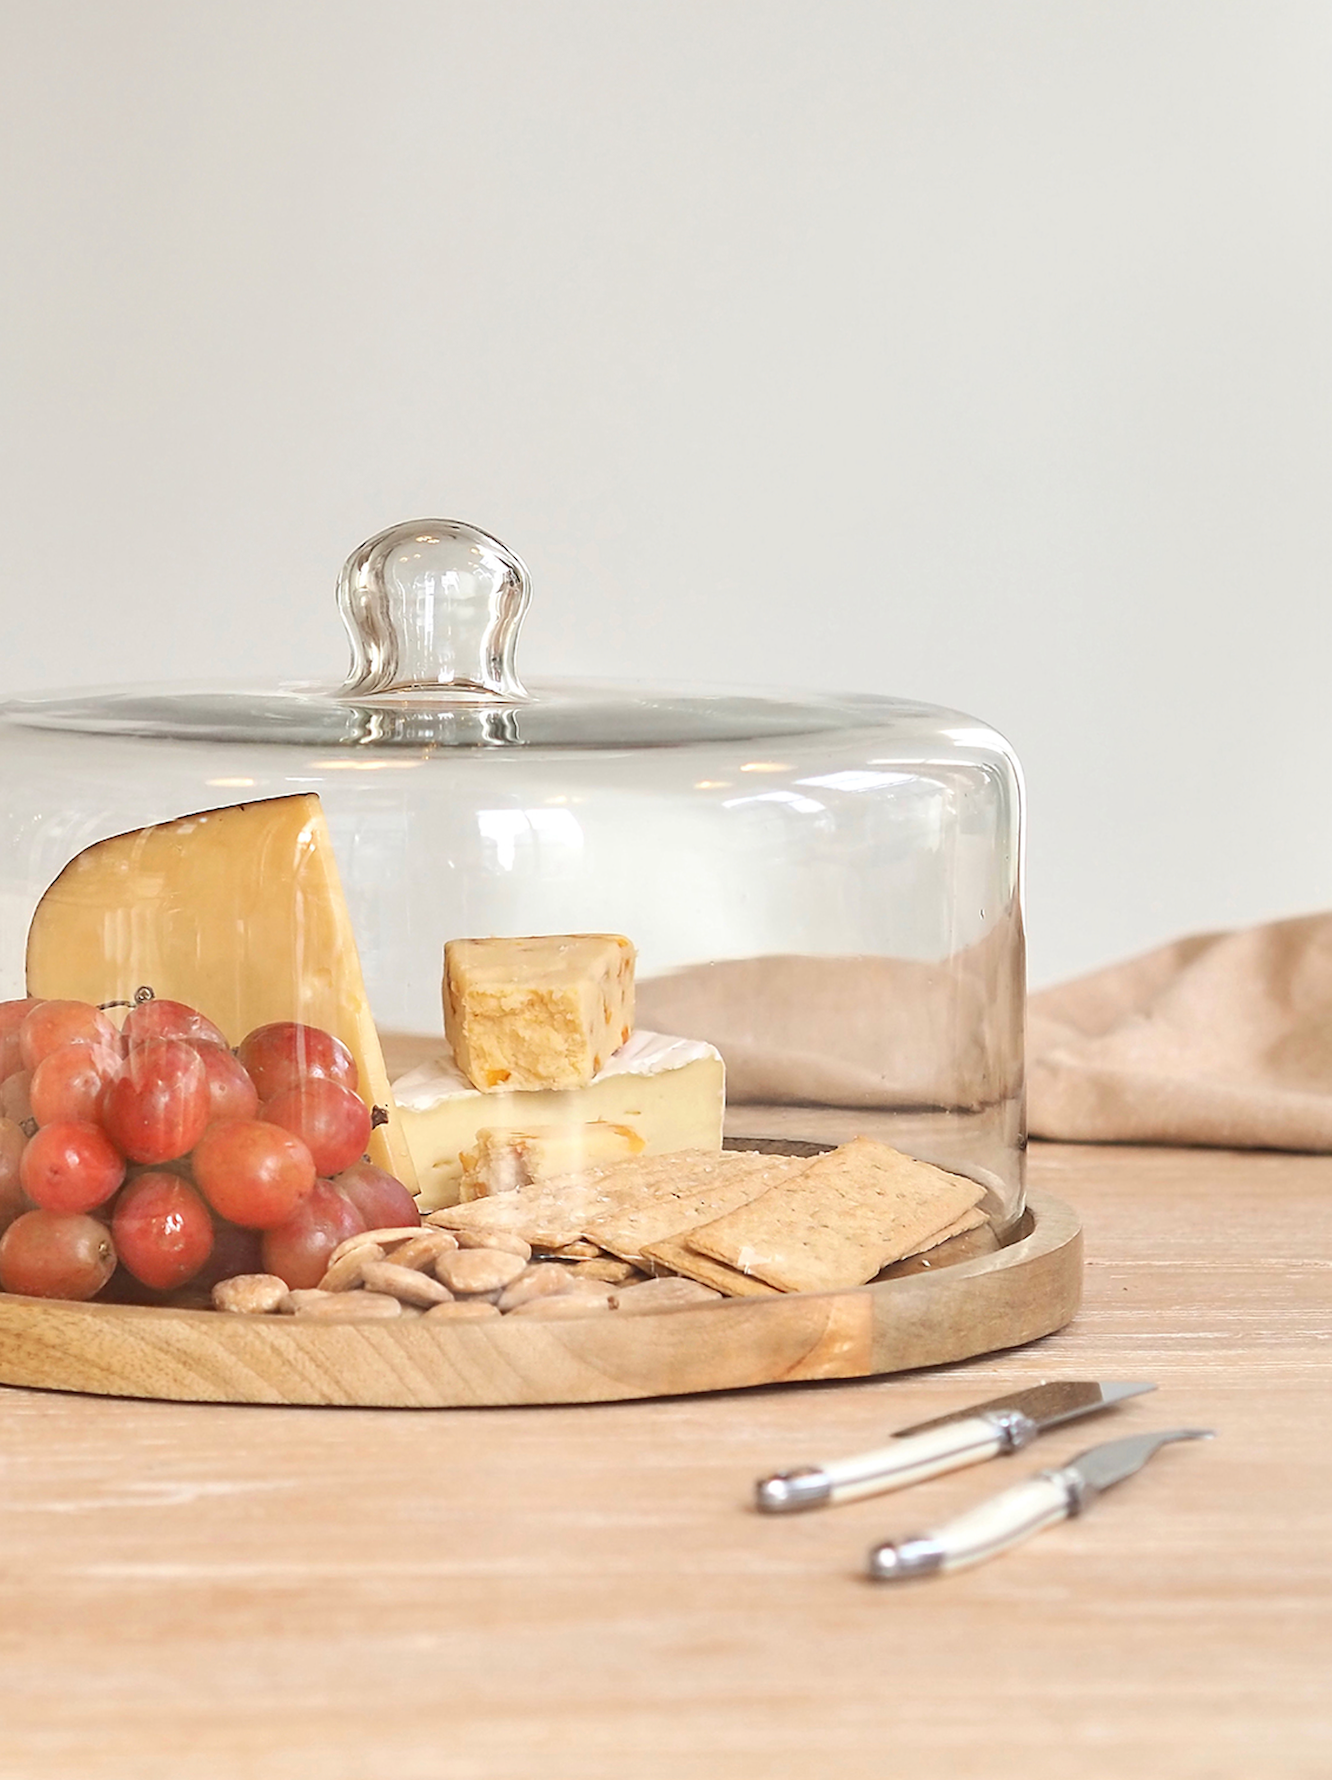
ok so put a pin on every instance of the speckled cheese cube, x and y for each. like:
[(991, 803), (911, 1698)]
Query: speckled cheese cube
[(540, 1012)]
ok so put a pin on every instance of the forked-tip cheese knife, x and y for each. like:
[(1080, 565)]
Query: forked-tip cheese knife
[(1004, 1424), (1015, 1514)]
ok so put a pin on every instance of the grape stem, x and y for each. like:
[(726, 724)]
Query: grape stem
[(141, 994)]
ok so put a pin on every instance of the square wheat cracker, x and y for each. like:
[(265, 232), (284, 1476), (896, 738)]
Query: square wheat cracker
[(839, 1221), (551, 1214), (672, 1254), (702, 1188), (970, 1220)]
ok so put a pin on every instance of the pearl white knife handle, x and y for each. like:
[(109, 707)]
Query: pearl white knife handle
[(914, 1457), (983, 1532), (908, 1459)]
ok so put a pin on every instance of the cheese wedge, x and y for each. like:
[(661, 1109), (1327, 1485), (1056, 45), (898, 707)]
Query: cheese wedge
[(238, 912), (670, 1092)]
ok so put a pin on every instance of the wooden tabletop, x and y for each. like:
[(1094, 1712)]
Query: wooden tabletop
[(535, 1594)]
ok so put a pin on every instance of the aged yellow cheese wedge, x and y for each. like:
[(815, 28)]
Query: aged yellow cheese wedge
[(541, 1012), (670, 1092), (238, 912)]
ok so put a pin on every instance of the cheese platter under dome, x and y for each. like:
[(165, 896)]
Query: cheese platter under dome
[(432, 1040)]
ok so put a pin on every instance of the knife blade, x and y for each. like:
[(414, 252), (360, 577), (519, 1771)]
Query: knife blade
[(981, 1431), (1015, 1514)]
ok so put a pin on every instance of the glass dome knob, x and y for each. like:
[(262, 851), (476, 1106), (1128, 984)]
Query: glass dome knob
[(434, 606)]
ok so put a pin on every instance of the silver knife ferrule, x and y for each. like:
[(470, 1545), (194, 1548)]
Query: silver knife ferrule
[(1017, 1430), (790, 1491), (901, 1559), (1081, 1491)]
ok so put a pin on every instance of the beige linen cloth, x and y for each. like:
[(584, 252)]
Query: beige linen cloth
[(1221, 1039), (860, 1033)]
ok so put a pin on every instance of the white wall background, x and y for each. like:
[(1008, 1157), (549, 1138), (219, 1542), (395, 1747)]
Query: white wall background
[(976, 350)]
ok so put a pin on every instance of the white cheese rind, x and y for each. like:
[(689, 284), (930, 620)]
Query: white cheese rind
[(647, 1053), (671, 1091)]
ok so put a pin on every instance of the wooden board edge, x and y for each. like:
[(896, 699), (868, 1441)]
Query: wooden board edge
[(1017, 1294)]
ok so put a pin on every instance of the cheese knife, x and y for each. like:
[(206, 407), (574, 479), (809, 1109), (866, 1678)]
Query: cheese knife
[(1015, 1514), (1003, 1424)]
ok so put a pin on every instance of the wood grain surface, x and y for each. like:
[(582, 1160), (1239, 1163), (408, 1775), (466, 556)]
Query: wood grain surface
[(234, 1593), (933, 1314)]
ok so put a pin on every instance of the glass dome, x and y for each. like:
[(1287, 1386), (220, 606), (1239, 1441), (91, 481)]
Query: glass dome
[(826, 888)]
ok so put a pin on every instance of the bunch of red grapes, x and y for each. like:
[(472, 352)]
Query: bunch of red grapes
[(157, 1148)]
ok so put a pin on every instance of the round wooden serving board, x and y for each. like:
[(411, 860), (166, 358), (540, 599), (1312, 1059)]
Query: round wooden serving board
[(1027, 1289)]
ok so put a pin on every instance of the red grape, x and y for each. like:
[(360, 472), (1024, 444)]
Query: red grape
[(12, 1016), (48, 1254), (68, 1082), (382, 1201), (231, 1093), (298, 1251), (13, 1199), (54, 1023), (253, 1173), (71, 1166), (283, 1054), (234, 1251), (162, 1230), (15, 1098), (331, 1121), (157, 1107), (169, 1019)]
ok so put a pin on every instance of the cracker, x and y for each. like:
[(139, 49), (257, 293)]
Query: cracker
[(582, 1250), (672, 1253), (543, 1225), (970, 1220), (552, 1214), (701, 1188), (971, 1245), (839, 1220)]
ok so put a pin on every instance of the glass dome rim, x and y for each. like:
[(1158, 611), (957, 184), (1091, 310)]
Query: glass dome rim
[(108, 711)]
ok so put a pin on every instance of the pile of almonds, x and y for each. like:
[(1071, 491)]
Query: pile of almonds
[(459, 1276)]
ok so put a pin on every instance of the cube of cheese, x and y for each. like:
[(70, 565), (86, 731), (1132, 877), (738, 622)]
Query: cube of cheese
[(545, 1012), (504, 1160)]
